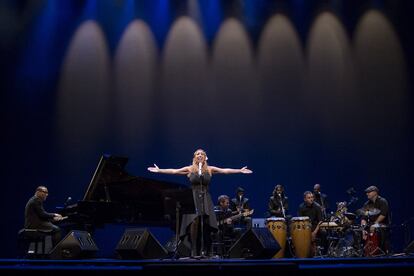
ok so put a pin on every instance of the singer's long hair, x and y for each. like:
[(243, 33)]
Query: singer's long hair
[(194, 166), (279, 186)]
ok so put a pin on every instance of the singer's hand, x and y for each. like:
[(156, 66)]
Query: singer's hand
[(154, 169), (245, 170)]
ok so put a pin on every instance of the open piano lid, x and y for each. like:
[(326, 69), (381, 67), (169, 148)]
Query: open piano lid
[(113, 195), (111, 183)]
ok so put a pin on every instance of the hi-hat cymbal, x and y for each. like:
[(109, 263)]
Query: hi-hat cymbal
[(350, 216), (369, 212)]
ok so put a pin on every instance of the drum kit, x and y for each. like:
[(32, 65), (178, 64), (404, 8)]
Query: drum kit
[(340, 235)]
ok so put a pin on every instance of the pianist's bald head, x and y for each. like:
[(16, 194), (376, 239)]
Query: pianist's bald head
[(42, 192)]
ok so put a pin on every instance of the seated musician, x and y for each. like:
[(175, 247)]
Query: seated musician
[(278, 202), (380, 220), (240, 203), (224, 214), (309, 208), (37, 218)]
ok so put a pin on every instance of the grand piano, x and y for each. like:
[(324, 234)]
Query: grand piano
[(115, 196)]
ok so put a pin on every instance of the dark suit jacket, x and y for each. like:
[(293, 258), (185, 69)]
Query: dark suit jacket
[(235, 202), (35, 215)]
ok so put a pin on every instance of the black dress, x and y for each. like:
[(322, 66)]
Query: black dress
[(200, 186)]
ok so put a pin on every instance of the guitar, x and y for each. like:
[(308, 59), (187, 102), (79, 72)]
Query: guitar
[(236, 217)]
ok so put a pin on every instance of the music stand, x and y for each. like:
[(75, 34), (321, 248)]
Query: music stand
[(176, 203)]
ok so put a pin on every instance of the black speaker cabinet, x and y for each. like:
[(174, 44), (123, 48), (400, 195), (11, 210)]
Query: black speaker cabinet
[(255, 243), (76, 245), (139, 243), (410, 248)]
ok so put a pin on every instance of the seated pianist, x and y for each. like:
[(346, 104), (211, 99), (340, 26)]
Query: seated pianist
[(37, 218)]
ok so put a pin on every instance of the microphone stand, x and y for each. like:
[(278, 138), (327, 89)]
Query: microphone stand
[(240, 208), (202, 252), (282, 207), (322, 205), (284, 216), (177, 229)]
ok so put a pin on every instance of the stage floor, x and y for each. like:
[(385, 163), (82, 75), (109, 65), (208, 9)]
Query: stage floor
[(314, 266)]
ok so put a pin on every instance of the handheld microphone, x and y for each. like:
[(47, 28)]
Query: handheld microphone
[(199, 168)]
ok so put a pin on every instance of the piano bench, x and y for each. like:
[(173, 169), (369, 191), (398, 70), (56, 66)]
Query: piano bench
[(34, 243)]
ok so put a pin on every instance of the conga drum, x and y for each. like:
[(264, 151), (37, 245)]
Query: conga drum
[(375, 241), (277, 226), (372, 242), (301, 233)]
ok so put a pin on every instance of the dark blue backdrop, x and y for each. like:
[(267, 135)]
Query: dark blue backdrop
[(302, 92)]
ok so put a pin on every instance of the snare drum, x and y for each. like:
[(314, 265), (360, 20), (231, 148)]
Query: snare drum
[(277, 226), (301, 232)]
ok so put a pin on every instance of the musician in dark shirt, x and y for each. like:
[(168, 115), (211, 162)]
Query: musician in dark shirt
[(309, 208), (223, 214), (37, 218), (278, 202), (240, 203), (376, 219), (375, 201), (321, 199)]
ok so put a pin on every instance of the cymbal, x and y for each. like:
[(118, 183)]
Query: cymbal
[(368, 212), (350, 216), (329, 224)]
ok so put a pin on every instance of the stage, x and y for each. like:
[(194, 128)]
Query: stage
[(315, 266)]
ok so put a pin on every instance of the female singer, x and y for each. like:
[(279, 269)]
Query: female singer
[(199, 173)]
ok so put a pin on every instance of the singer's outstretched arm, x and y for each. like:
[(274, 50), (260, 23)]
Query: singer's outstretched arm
[(228, 170), (183, 170)]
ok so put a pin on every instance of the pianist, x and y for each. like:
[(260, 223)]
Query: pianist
[(37, 218)]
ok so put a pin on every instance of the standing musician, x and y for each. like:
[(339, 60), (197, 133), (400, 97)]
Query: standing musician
[(199, 174), (278, 202), (321, 199), (240, 203)]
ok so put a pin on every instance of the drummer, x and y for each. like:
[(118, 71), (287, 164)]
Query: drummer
[(375, 201), (309, 208), (278, 203), (376, 215)]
